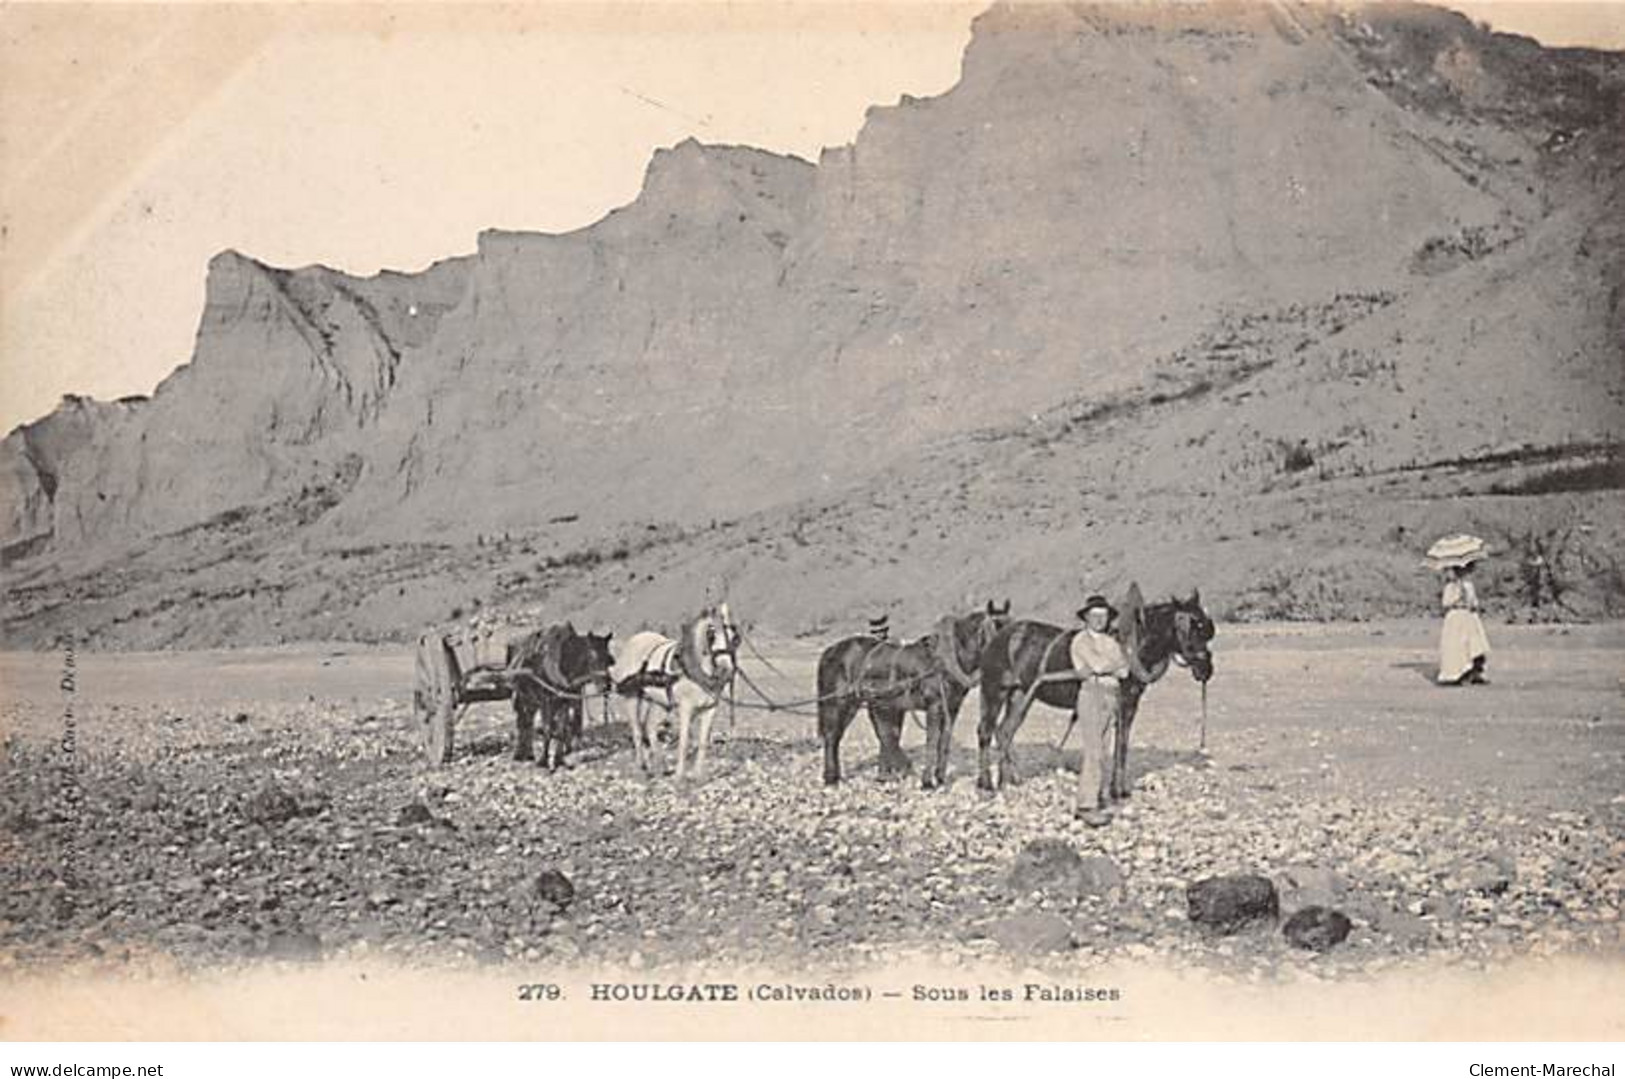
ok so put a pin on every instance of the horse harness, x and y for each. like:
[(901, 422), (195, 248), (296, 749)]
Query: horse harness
[(665, 665), (1042, 674), (548, 648), (945, 663), (894, 686)]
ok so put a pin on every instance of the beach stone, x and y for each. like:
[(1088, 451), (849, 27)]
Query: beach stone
[(1032, 932), (1490, 878), (1317, 928), (414, 813), (1309, 886), (1228, 903), (1053, 868), (1100, 875), (552, 886)]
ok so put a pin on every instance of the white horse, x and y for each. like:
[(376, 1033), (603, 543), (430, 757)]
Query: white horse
[(690, 677)]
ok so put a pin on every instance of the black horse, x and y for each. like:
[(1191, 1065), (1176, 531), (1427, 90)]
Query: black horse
[(552, 669), (932, 674), (1026, 653)]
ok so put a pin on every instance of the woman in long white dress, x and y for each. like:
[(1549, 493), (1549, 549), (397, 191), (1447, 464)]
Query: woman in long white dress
[(1464, 648)]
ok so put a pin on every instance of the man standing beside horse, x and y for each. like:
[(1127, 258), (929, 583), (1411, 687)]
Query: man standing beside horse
[(1101, 665), (1030, 662)]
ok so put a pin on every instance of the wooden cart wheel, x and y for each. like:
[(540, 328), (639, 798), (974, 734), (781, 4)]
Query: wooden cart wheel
[(434, 696)]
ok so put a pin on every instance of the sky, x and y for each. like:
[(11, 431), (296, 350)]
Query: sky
[(137, 141)]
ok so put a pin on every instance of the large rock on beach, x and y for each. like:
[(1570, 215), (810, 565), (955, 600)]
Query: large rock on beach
[(1053, 868), (1227, 904), (1317, 928)]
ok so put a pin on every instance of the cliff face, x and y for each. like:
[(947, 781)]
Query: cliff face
[(33, 461), (290, 373), (1114, 201)]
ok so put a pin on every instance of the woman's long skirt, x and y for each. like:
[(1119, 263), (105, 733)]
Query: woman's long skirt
[(1460, 643)]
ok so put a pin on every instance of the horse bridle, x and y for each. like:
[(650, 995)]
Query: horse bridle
[(1182, 639), (988, 629), (727, 634), (730, 636)]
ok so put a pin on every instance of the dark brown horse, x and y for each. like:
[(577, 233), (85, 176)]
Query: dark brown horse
[(889, 678), (1153, 636), (553, 669)]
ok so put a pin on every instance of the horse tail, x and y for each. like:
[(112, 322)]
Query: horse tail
[(837, 682), (830, 671), (551, 653)]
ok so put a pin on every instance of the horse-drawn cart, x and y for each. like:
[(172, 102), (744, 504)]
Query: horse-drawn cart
[(441, 689), (548, 672)]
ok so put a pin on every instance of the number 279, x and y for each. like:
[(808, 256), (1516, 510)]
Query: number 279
[(541, 992)]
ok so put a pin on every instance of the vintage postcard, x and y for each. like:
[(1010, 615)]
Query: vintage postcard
[(798, 520)]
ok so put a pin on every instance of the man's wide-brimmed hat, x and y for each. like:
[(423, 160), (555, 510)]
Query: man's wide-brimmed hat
[(1092, 603), (1457, 550)]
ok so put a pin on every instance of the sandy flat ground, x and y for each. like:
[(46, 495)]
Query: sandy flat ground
[(1354, 702), (1464, 827)]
